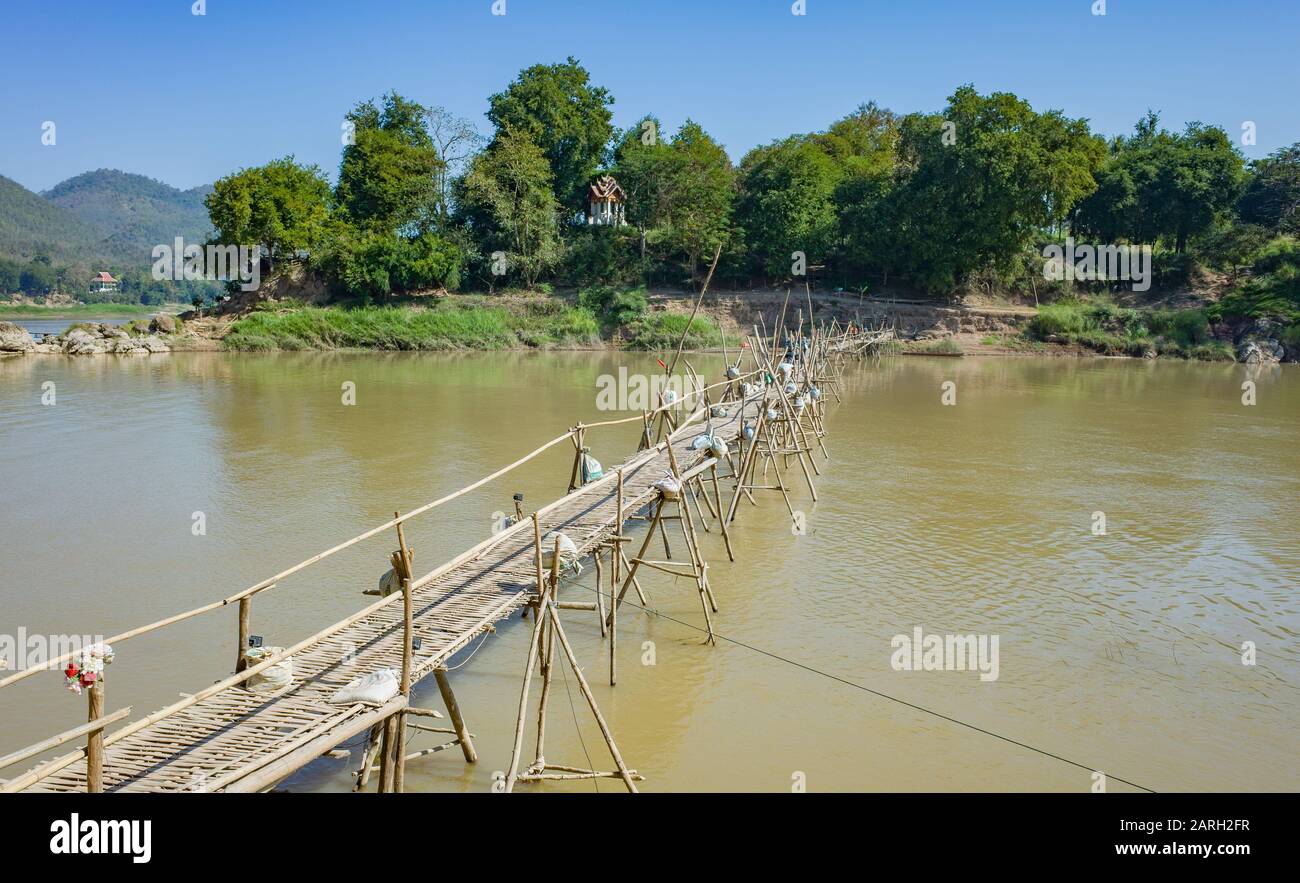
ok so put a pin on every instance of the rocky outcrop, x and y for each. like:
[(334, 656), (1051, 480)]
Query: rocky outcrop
[(95, 339), (163, 324), (1258, 342), (14, 338), (80, 342)]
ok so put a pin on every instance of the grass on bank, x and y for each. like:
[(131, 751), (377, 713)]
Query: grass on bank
[(663, 331), (72, 311), (1117, 331), (467, 322), (461, 325)]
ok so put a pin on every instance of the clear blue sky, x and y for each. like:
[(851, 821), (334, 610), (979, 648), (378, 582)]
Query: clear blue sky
[(145, 86)]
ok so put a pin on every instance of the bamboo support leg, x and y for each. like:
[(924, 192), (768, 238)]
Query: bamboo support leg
[(591, 700), (547, 654), (636, 583), (613, 618), (701, 580), (457, 719), (631, 573), (722, 523), (368, 757), (600, 592), (386, 758), (512, 775)]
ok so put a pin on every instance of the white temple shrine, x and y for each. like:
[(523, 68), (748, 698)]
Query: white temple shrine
[(605, 200)]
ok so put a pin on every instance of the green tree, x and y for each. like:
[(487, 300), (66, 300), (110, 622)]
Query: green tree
[(281, 206), (10, 275), (508, 201), (701, 192), (644, 164), (1272, 195), (983, 178), (1157, 184), (866, 139), (390, 177), (37, 277), (568, 119), (786, 204)]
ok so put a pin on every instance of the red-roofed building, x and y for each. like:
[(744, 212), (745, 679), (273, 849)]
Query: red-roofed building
[(102, 283)]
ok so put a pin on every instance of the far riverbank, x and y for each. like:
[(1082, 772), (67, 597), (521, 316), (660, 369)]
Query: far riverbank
[(636, 320)]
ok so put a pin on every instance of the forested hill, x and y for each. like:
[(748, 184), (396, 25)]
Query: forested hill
[(101, 216), (31, 224), (132, 212)]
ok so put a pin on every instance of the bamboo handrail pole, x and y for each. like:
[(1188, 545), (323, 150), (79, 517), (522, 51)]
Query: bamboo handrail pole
[(66, 736)]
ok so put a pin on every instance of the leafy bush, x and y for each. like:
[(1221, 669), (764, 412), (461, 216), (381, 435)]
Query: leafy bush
[(1274, 287), (376, 264), (663, 331), (1187, 328), (597, 255), (1115, 331), (615, 307), (1061, 319)]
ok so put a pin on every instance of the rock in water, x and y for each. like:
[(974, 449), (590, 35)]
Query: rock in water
[(80, 342), (14, 338)]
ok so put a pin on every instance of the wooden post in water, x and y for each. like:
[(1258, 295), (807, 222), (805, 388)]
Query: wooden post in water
[(616, 558), (95, 740), (245, 611), (408, 640), (457, 719)]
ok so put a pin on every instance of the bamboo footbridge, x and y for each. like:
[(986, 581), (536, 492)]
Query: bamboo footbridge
[(698, 456)]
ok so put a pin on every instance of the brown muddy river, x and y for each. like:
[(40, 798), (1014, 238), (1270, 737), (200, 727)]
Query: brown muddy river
[(1121, 651)]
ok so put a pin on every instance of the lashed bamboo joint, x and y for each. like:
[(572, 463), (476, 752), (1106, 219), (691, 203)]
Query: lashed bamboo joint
[(228, 738)]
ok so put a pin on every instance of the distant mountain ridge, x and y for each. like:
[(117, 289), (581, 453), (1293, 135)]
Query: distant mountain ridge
[(101, 216)]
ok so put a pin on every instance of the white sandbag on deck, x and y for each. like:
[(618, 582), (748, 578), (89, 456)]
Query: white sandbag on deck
[(568, 551), (270, 679), (375, 688), (669, 487)]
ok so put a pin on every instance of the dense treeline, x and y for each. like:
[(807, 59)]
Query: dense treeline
[(943, 203), (42, 276)]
